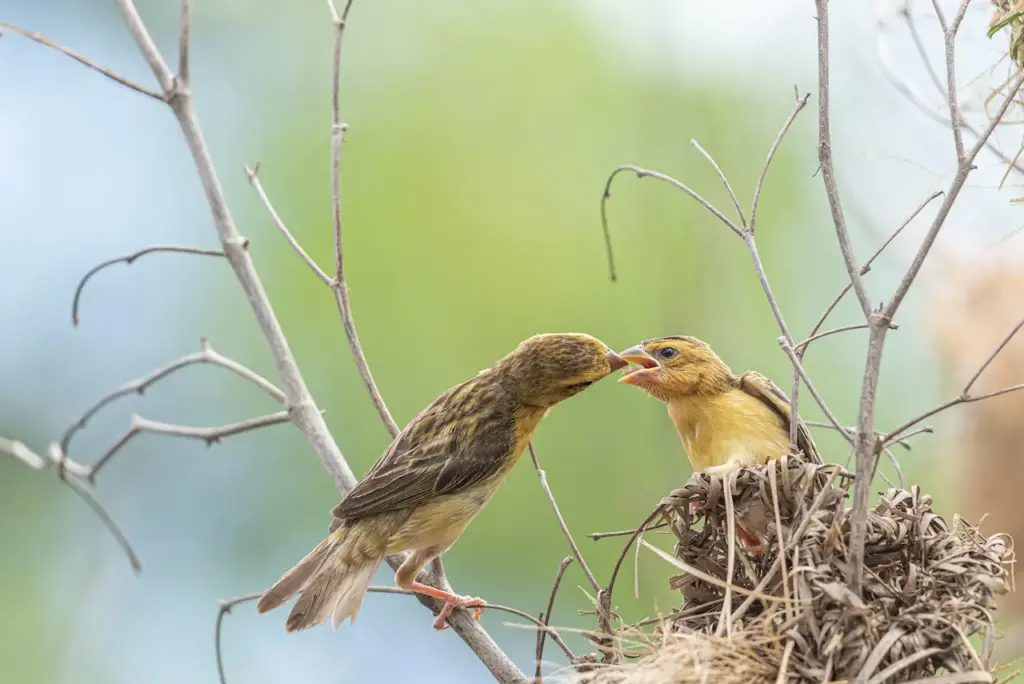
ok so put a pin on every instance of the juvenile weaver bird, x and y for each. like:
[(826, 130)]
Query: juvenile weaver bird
[(725, 421), (435, 477)]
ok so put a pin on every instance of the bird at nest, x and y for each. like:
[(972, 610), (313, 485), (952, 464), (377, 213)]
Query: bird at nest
[(725, 421), (438, 473)]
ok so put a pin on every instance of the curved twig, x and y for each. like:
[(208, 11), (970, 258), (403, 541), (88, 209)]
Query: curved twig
[(128, 259), (545, 617)]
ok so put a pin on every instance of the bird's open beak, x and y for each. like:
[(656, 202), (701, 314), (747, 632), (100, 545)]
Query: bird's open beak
[(638, 357), (615, 361)]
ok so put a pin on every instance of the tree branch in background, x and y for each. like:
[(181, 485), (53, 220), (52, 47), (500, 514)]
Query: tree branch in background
[(128, 259)]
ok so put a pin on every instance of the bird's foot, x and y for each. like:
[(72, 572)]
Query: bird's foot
[(477, 604)]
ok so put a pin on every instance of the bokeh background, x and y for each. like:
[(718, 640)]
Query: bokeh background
[(480, 139)]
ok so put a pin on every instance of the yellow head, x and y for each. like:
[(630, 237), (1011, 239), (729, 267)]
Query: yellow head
[(545, 369), (676, 366)]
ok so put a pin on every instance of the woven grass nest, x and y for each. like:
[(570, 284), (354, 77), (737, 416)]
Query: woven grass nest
[(928, 587)]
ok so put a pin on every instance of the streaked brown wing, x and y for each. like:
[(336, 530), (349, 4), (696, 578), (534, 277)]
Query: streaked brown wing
[(461, 439), (760, 387)]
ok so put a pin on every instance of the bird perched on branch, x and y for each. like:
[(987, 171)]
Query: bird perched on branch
[(725, 421), (436, 476)]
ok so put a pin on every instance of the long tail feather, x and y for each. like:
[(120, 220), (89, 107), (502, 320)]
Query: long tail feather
[(332, 579)]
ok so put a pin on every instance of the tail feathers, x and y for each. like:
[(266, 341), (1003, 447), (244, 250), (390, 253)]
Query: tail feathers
[(332, 579)]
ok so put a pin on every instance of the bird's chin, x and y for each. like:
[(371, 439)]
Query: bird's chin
[(637, 376)]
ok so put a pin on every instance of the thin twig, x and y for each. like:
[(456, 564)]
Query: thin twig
[(825, 160), (902, 441), (183, 42), (253, 175), (725, 182), (545, 617), (991, 357), (128, 259), (867, 264), (101, 513), (43, 40), (795, 360), (596, 536), (645, 173), (801, 102), (846, 328), (949, 36), (561, 521), (888, 438), (206, 354), (20, 451), (339, 285), (225, 607), (210, 435)]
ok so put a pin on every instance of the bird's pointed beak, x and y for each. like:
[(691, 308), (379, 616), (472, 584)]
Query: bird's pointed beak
[(615, 361), (639, 357)]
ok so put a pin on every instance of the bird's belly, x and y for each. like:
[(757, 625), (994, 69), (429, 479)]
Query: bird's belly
[(440, 522)]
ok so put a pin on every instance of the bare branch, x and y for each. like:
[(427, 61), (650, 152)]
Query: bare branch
[(801, 102), (561, 521), (825, 159), (991, 358), (725, 181), (21, 452), (644, 173), (795, 360), (952, 193), (253, 175), (101, 513), (545, 617), (128, 259), (852, 430), (597, 536), (846, 328), (225, 607), (867, 264), (340, 286), (304, 409), (183, 42), (43, 40), (206, 354), (210, 435)]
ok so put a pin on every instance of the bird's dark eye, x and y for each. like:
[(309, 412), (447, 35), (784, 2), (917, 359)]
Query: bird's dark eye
[(667, 352)]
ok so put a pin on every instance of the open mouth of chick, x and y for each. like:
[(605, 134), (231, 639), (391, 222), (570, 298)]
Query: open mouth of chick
[(637, 364)]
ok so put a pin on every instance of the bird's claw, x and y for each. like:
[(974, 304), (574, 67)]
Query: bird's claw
[(477, 604)]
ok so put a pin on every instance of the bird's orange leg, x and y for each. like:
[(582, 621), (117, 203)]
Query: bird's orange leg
[(451, 602)]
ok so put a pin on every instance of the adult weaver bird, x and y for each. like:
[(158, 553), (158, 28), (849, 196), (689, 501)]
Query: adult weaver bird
[(725, 421), (435, 477)]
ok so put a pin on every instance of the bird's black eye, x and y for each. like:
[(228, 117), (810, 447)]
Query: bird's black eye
[(667, 352)]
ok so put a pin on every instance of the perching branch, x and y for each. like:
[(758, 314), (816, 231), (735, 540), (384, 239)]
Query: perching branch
[(128, 259), (561, 521)]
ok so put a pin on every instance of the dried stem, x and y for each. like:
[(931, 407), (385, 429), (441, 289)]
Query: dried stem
[(210, 435), (561, 521), (545, 617), (339, 286), (206, 354), (991, 357), (597, 536), (97, 508), (795, 360), (43, 40), (183, 42), (846, 328), (128, 259)]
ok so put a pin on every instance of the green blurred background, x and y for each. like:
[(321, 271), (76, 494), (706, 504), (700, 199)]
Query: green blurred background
[(480, 140)]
